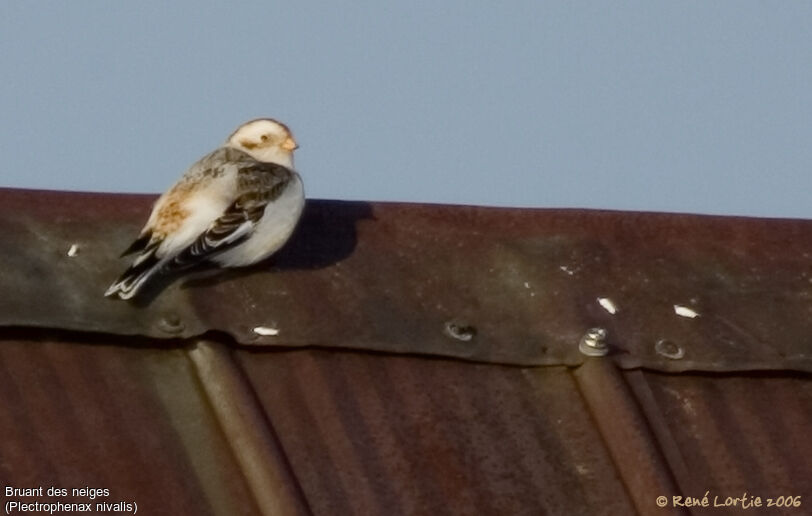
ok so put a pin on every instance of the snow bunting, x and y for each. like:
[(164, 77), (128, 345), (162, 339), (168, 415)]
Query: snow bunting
[(234, 207)]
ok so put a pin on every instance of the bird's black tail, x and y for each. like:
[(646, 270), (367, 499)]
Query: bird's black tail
[(128, 284)]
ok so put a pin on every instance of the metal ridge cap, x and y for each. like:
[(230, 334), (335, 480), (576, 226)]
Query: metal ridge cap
[(494, 285), (429, 205)]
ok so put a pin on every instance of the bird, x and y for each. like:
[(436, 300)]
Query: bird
[(234, 207)]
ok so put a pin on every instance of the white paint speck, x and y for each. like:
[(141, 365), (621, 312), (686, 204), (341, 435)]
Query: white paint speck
[(608, 305), (74, 250), (566, 269), (684, 311), (526, 284), (266, 331)]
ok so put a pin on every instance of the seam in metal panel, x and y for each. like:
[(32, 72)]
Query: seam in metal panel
[(249, 433), (627, 436)]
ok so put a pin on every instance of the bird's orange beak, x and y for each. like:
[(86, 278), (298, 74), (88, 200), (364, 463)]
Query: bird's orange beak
[(290, 144)]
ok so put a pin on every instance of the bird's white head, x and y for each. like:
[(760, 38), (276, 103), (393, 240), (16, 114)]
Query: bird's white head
[(265, 140)]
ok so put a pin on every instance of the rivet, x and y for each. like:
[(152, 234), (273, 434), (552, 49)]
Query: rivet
[(171, 324), (593, 343), (459, 330), (669, 349)]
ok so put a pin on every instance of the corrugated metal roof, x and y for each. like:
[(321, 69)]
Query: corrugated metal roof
[(732, 433), (375, 434), (177, 404), (80, 412)]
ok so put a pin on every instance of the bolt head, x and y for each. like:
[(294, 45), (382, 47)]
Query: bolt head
[(593, 343)]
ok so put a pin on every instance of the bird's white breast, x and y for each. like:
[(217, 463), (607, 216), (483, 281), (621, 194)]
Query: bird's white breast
[(272, 230)]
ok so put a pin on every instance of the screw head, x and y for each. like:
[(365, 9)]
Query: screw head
[(459, 330), (171, 324), (669, 349), (593, 343)]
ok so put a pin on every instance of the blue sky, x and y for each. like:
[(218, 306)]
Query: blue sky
[(701, 107)]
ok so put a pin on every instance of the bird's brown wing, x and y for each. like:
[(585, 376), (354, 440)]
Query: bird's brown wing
[(257, 185)]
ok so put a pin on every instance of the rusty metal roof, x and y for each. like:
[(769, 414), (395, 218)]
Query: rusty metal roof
[(446, 376)]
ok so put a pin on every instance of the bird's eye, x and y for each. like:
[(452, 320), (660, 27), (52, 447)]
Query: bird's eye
[(264, 137)]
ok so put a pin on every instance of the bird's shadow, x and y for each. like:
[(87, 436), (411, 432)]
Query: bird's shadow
[(325, 235)]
